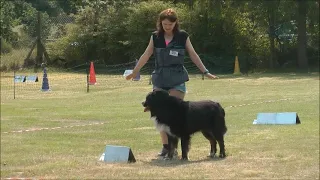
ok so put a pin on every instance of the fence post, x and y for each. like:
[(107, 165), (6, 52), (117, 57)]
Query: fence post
[(14, 83), (87, 71)]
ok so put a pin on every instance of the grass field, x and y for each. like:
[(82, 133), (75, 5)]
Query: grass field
[(61, 134)]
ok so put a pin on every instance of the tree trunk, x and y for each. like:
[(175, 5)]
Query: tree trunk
[(272, 52), (272, 23), (302, 34), (39, 58), (191, 4)]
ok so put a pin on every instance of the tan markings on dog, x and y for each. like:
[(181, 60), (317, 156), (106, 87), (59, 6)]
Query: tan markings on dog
[(146, 109)]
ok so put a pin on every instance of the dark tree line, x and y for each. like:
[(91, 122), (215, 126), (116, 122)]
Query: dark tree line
[(268, 33)]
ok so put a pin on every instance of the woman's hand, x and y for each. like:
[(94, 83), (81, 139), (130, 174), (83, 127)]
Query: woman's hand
[(132, 75), (211, 76)]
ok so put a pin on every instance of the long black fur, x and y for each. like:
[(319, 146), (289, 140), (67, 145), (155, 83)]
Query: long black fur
[(185, 118)]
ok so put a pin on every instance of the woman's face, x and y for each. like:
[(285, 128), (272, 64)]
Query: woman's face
[(168, 25)]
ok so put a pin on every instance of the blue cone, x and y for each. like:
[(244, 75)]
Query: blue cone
[(45, 81)]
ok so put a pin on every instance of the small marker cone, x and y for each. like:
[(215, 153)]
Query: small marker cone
[(236, 67), (45, 81), (92, 80)]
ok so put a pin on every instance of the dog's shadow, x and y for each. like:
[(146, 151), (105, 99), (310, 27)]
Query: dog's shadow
[(178, 162)]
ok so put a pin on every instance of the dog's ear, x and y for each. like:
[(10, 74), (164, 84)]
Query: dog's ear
[(150, 99), (160, 93), (156, 98)]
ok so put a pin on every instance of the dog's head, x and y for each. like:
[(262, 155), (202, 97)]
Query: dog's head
[(154, 100)]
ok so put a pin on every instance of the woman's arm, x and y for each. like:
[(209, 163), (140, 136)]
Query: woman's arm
[(143, 60), (196, 59)]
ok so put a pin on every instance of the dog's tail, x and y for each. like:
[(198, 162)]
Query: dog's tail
[(223, 114)]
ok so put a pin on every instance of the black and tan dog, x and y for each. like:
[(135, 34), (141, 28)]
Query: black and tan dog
[(181, 119)]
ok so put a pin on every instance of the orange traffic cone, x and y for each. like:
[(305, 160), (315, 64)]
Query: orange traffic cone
[(92, 80), (236, 67)]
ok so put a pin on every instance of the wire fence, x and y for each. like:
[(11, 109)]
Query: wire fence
[(21, 84), (30, 85)]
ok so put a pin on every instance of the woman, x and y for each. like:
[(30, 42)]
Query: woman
[(169, 44)]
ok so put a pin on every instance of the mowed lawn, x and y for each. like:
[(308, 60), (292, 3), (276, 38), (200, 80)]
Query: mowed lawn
[(61, 134)]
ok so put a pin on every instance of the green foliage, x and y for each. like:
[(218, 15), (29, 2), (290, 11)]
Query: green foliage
[(30, 21), (6, 20), (251, 41), (114, 32), (69, 48), (5, 46), (13, 60), (141, 23), (50, 7), (113, 43)]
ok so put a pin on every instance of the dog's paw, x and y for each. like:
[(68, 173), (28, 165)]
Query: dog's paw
[(212, 155), (167, 158), (223, 155), (184, 158)]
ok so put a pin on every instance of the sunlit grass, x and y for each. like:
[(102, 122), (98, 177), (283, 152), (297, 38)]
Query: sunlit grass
[(72, 151)]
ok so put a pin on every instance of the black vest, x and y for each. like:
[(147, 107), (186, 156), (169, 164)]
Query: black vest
[(169, 69)]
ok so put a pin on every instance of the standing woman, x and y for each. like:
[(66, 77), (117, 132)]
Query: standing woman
[(169, 44)]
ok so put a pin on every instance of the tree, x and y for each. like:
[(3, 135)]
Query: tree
[(6, 19), (302, 34), (271, 14)]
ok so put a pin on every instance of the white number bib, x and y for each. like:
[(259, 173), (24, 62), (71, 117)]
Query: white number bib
[(173, 53)]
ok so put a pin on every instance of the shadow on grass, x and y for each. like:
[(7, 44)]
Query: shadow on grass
[(178, 162)]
